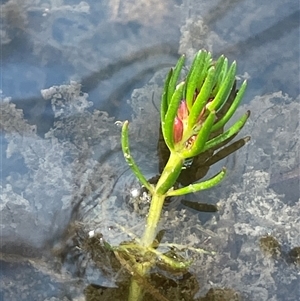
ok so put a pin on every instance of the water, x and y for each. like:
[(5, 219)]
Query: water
[(62, 171)]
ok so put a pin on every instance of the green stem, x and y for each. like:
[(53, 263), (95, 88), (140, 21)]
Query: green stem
[(166, 181), (170, 174), (136, 291), (157, 203)]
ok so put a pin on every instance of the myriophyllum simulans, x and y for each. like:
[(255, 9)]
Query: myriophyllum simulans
[(190, 125)]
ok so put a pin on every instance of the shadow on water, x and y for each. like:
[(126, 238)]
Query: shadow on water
[(269, 35)]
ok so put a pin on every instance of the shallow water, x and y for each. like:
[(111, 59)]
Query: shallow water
[(62, 169)]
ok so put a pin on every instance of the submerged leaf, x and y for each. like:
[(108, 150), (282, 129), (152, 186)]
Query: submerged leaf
[(202, 207)]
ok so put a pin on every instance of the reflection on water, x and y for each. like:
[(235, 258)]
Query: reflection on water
[(62, 171), (49, 44)]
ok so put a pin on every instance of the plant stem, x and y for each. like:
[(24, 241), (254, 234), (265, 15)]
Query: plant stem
[(136, 291), (165, 182), (153, 219), (170, 174)]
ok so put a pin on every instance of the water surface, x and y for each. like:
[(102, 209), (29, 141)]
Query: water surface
[(61, 165)]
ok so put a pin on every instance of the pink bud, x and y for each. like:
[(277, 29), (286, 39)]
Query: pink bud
[(183, 111), (177, 130)]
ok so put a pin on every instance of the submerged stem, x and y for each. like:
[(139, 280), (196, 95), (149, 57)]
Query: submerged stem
[(153, 219)]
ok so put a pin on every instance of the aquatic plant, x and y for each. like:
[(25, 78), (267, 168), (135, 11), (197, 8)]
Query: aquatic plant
[(193, 114)]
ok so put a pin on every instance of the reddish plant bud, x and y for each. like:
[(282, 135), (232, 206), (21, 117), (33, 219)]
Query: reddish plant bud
[(182, 112), (177, 130)]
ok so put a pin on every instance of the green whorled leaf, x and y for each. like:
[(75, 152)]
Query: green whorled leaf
[(201, 163), (223, 143), (226, 86), (219, 68), (203, 72), (173, 264), (202, 207), (227, 150), (174, 77), (202, 97), (164, 98), (221, 77), (224, 90), (232, 108), (227, 104), (227, 101), (224, 70), (193, 76), (198, 57), (129, 159), (168, 123), (233, 130), (201, 138), (199, 186)]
